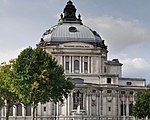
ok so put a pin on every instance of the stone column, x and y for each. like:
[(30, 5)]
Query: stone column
[(127, 106), (65, 64), (70, 64), (80, 64), (69, 98), (87, 104), (83, 64), (97, 105), (92, 64), (101, 105), (88, 64)]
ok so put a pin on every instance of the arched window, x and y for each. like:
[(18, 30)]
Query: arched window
[(76, 65), (19, 109)]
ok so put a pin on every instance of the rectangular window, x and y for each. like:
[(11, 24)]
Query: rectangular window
[(109, 80), (109, 108), (85, 66), (77, 100), (67, 66), (44, 108)]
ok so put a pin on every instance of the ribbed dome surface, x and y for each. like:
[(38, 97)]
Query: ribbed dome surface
[(71, 33)]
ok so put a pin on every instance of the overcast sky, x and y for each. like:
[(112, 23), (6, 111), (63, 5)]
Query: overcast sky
[(123, 24)]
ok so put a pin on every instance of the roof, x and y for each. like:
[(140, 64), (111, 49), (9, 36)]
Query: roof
[(71, 29)]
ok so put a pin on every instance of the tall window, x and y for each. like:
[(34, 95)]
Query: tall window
[(67, 66), (28, 110), (105, 69), (85, 66), (19, 110), (123, 109), (77, 100), (67, 63), (130, 108), (76, 65)]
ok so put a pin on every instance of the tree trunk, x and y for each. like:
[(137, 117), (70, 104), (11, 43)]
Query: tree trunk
[(7, 111), (33, 112)]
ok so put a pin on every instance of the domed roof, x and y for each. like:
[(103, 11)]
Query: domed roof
[(71, 29)]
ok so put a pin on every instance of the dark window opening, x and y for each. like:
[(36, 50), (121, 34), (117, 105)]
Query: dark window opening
[(44, 108), (109, 91), (109, 80), (85, 66), (105, 69), (131, 92), (123, 109), (109, 108), (129, 83)]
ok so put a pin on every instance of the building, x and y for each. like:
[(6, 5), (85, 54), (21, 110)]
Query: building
[(101, 93)]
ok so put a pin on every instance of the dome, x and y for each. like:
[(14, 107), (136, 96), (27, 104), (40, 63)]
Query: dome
[(71, 29)]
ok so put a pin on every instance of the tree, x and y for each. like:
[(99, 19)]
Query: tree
[(7, 97), (39, 79), (141, 108)]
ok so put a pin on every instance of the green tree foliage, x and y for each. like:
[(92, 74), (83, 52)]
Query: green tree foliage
[(141, 108), (39, 78), (7, 98)]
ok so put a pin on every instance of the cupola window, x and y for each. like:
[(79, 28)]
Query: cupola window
[(72, 29)]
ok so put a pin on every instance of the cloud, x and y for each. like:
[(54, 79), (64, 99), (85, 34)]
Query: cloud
[(7, 55), (118, 33)]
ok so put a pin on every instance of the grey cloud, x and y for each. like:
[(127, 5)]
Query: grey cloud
[(119, 33)]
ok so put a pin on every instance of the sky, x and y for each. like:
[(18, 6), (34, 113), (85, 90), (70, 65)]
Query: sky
[(123, 24)]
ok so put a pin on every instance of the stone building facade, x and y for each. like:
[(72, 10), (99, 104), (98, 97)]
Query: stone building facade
[(101, 93)]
